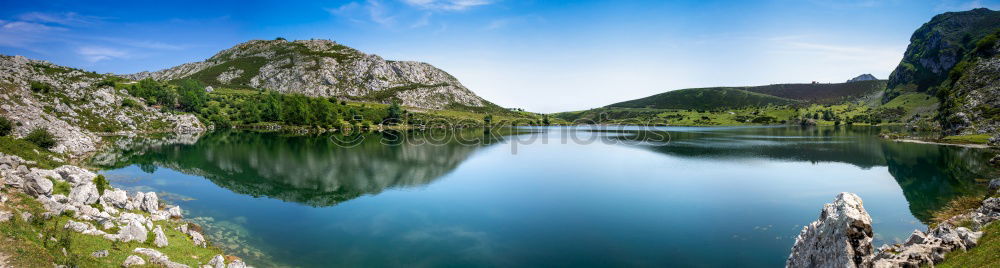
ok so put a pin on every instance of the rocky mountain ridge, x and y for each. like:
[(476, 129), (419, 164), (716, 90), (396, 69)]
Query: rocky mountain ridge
[(323, 68), (76, 106)]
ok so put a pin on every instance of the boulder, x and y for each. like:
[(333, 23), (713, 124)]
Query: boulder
[(217, 262), (995, 185), (117, 198), (841, 237), (6, 216), (160, 239), (133, 231), (236, 264), (197, 238), (175, 212), (74, 174), (38, 186), (85, 193), (156, 257), (133, 260), (150, 203)]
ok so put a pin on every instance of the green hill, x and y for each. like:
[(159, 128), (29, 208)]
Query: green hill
[(704, 99), (757, 96)]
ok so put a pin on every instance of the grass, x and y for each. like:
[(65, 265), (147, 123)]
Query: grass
[(29, 151), (955, 207), (967, 139), (986, 254), (28, 244)]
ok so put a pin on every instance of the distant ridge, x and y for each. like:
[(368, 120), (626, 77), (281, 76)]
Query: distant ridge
[(736, 97), (863, 77)]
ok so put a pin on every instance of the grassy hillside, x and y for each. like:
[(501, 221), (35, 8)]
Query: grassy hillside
[(821, 93), (704, 99)]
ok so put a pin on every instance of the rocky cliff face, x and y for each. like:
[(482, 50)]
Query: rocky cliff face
[(938, 46), (324, 68), (75, 106)]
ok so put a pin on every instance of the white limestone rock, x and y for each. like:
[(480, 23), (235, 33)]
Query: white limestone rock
[(160, 239), (841, 237), (133, 260)]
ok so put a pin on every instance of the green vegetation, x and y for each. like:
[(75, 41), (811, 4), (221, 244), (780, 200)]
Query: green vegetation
[(102, 184), (60, 187), (41, 137), (983, 255), (967, 139), (6, 126), (704, 99), (39, 242), (29, 151), (957, 206), (40, 87)]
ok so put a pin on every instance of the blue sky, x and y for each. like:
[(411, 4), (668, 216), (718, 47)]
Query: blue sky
[(544, 56)]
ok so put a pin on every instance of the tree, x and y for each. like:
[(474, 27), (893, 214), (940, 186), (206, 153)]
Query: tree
[(6, 126), (545, 119), (487, 119), (395, 114), (41, 137), (191, 95)]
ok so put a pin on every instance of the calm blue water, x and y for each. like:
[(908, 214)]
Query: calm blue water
[(710, 197)]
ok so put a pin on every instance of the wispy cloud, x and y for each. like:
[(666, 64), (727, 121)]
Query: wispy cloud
[(96, 54), (24, 26), (371, 11), (64, 18), (449, 5)]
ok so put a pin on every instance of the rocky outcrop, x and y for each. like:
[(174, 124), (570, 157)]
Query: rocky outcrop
[(75, 105), (939, 45), (324, 68), (841, 237), (113, 221)]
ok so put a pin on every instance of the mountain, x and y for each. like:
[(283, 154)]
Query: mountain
[(736, 97), (863, 77), (323, 68), (954, 56), (76, 106)]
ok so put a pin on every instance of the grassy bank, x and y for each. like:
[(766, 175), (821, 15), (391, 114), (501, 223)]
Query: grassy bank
[(39, 242), (986, 254)]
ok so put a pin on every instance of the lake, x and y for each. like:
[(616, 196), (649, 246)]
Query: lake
[(539, 197)]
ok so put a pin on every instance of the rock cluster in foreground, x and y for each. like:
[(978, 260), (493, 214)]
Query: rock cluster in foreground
[(97, 214), (842, 237)]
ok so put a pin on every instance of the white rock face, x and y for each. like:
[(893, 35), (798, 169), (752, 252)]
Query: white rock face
[(841, 237), (324, 68)]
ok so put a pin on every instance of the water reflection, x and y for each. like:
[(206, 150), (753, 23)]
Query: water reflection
[(325, 170), (321, 170), (929, 175)]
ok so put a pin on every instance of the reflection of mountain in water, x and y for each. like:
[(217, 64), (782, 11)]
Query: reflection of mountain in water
[(929, 175), (305, 169)]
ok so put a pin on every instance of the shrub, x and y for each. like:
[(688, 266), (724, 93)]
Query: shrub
[(127, 102), (105, 83), (40, 87), (5, 126), (102, 184), (41, 137)]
